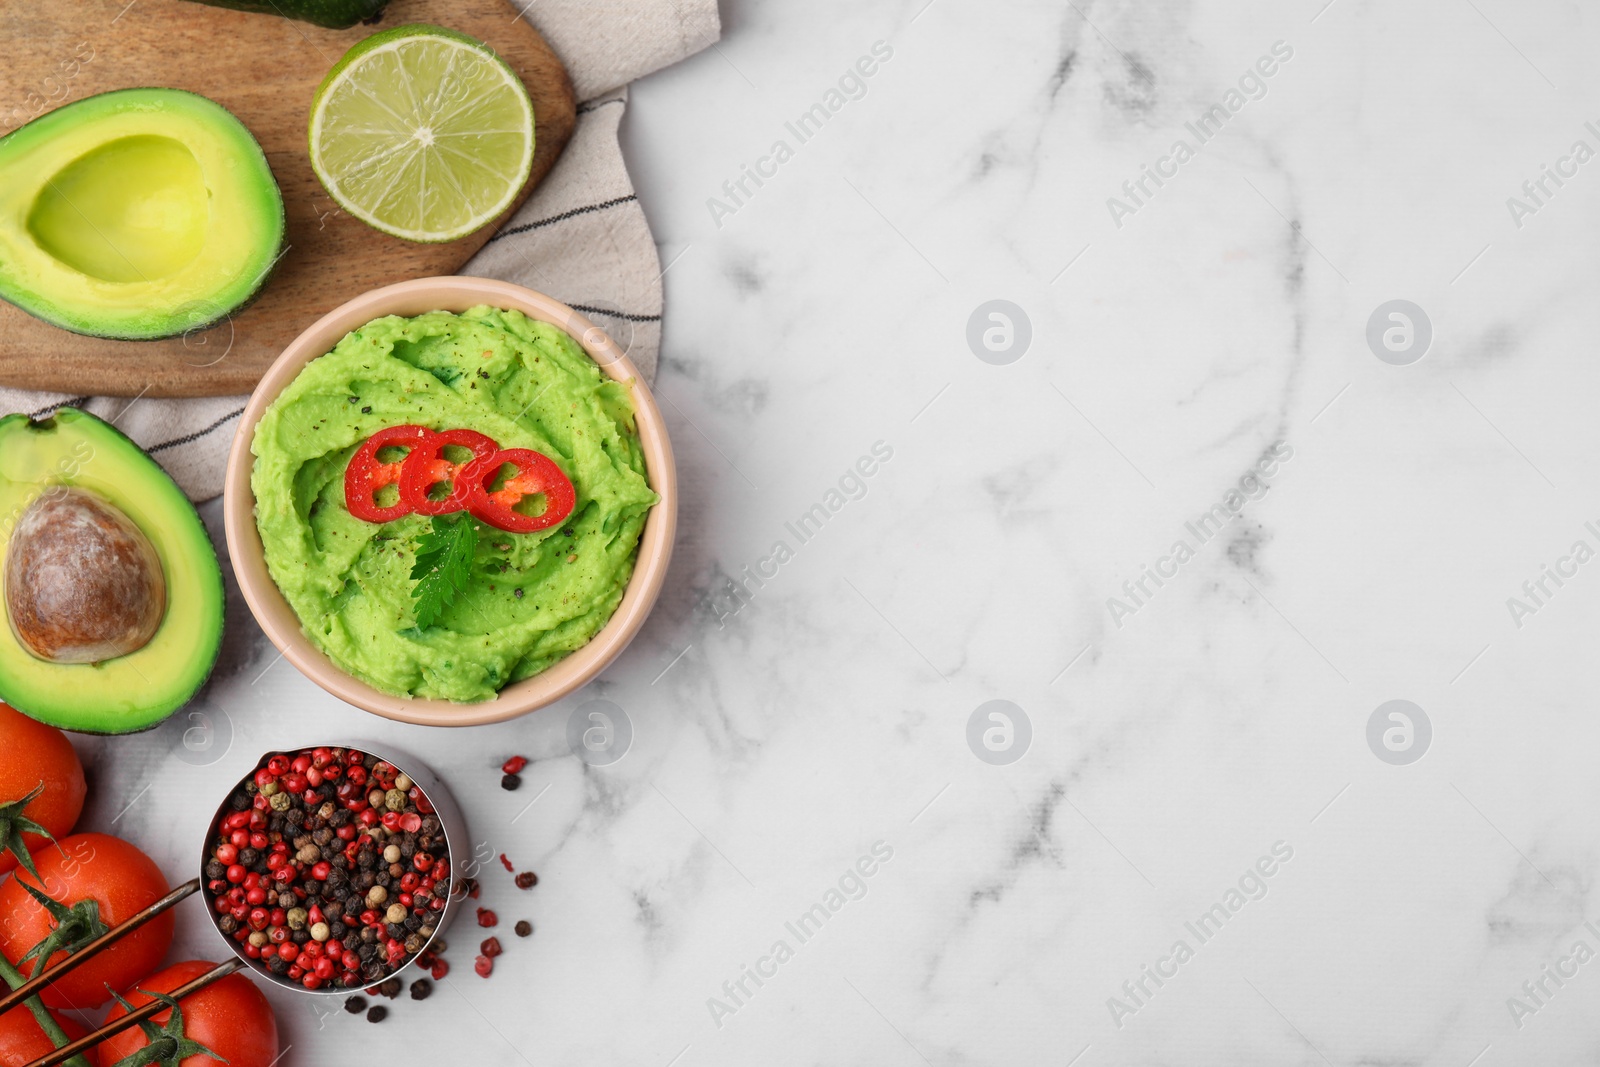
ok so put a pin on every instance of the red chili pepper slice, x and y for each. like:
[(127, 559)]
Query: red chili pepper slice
[(536, 473), (366, 474), (427, 467)]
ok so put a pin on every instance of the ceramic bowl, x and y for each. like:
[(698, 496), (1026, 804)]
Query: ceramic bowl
[(278, 619)]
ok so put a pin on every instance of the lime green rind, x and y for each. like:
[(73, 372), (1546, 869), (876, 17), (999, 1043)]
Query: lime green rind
[(366, 47), (140, 690)]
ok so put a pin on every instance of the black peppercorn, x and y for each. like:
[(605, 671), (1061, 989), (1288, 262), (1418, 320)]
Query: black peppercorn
[(420, 989), (355, 1005), (377, 1013), (216, 869), (227, 924), (248, 857), (523, 928), (510, 782)]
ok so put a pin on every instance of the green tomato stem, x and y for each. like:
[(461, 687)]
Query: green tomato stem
[(47, 1022)]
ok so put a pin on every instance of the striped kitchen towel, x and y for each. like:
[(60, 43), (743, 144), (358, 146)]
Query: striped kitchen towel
[(581, 237)]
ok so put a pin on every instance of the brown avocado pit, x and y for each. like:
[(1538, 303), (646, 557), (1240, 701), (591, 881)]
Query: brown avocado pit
[(83, 583)]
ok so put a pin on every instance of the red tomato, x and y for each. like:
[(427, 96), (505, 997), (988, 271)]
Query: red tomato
[(21, 1040), (30, 753), (118, 876), (231, 1018)]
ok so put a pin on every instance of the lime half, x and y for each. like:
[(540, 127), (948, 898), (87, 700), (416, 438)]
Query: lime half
[(423, 133)]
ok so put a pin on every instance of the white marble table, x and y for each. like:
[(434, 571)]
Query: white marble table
[(1180, 732)]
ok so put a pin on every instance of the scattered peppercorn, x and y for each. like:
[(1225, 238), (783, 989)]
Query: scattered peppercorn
[(487, 917), (483, 965), (440, 969), (490, 947), (527, 880), (514, 765), (506, 863), (523, 928), (421, 989), (355, 1005), (510, 783), (377, 1013)]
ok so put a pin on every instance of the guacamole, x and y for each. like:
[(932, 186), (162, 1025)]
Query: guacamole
[(532, 598)]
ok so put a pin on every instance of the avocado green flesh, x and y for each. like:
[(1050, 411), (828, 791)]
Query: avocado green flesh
[(136, 214), (140, 689), (334, 14)]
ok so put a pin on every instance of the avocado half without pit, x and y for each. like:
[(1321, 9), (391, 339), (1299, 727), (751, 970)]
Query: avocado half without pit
[(136, 214), (112, 592)]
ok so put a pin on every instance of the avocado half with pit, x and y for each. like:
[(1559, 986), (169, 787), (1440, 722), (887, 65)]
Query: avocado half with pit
[(136, 214), (111, 589)]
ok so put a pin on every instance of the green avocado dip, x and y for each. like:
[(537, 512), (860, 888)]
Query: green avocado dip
[(532, 598)]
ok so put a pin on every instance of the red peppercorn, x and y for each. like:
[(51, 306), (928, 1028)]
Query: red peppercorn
[(483, 965), (440, 969), (422, 861), (410, 822), (278, 764), (288, 950), (239, 838), (368, 817), (436, 904), (391, 820), (295, 972), (278, 934), (514, 765), (252, 951), (256, 821), (220, 905), (295, 782), (487, 917), (261, 802), (256, 895), (263, 776), (300, 764), (320, 756), (314, 776), (354, 758), (268, 951), (347, 832), (226, 854), (320, 869), (311, 981), (236, 873), (421, 800), (258, 841), (324, 968), (490, 946), (333, 772), (283, 875), (506, 863)]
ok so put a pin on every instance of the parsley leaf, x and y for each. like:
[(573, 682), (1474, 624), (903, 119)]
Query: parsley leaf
[(443, 566)]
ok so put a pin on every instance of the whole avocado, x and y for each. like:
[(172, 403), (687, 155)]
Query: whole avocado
[(333, 14)]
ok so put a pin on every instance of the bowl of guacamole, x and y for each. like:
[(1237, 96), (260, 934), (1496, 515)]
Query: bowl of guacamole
[(431, 608)]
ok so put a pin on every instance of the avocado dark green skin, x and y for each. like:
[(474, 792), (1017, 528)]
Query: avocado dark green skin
[(332, 14)]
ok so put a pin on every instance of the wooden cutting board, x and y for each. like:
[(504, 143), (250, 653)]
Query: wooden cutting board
[(265, 70)]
